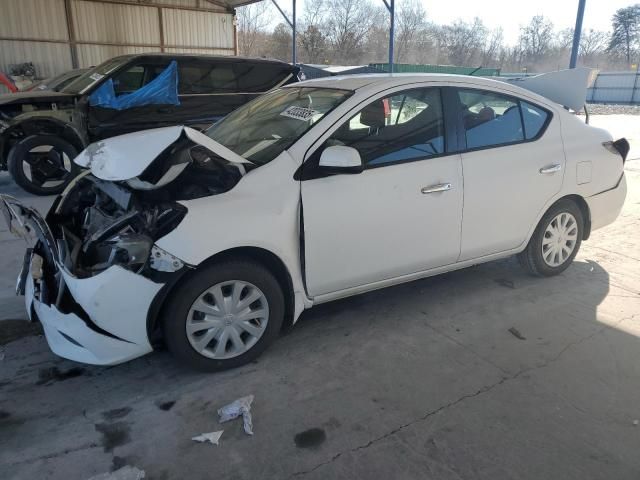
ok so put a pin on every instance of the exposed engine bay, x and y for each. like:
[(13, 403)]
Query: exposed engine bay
[(98, 223)]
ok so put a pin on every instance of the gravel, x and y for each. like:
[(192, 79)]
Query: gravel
[(601, 109)]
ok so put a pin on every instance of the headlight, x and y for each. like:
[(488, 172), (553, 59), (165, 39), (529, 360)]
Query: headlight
[(128, 250)]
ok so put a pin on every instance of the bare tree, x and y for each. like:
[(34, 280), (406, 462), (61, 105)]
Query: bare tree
[(253, 21), (349, 22), (313, 39), (493, 48), (280, 43), (411, 20), (592, 43), (463, 42), (536, 39), (626, 31)]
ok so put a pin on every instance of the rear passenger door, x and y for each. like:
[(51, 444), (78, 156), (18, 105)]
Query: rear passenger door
[(513, 165)]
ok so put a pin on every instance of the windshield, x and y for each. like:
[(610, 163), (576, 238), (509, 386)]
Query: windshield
[(260, 130), (94, 75)]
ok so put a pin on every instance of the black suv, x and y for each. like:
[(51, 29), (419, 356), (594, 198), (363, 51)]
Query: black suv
[(42, 131)]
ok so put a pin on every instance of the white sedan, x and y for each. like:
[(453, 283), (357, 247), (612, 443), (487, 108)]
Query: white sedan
[(213, 242)]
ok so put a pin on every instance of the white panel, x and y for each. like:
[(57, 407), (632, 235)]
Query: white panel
[(49, 58), (115, 23), (42, 19), (185, 28), (91, 55)]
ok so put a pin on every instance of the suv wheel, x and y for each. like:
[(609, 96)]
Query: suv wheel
[(555, 242), (43, 164), (224, 316)]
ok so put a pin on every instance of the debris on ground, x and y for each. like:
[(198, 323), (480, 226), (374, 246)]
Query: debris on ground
[(211, 437), (125, 473), (241, 406), (516, 333)]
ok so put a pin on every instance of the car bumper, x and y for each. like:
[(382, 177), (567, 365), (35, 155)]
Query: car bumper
[(101, 319), (106, 323), (605, 207)]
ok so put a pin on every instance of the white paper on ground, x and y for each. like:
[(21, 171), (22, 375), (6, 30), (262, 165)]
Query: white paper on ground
[(241, 406), (211, 437)]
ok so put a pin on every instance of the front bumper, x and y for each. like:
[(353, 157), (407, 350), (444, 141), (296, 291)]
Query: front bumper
[(107, 324), (605, 207), (100, 320)]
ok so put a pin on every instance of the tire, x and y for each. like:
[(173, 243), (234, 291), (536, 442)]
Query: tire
[(181, 314), (44, 172), (546, 261)]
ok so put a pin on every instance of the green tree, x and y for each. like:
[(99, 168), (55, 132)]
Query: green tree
[(626, 31)]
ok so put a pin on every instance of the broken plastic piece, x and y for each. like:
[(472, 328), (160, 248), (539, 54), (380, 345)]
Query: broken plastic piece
[(211, 437), (241, 406), (125, 473)]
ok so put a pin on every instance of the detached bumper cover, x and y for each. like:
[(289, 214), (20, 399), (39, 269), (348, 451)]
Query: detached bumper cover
[(100, 320), (116, 303)]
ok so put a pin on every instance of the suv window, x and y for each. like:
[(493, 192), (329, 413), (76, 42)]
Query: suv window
[(260, 77), (129, 81), (534, 119), (489, 118), (403, 127), (206, 77)]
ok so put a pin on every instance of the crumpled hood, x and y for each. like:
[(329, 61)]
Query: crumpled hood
[(37, 96), (127, 156)]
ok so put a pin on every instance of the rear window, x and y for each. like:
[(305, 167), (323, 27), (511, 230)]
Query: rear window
[(534, 119), (261, 77), (206, 77)]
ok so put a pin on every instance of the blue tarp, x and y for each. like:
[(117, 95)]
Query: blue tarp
[(162, 90)]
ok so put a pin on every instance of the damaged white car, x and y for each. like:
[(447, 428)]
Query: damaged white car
[(212, 243)]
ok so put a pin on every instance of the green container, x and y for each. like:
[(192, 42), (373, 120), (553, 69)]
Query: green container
[(409, 68)]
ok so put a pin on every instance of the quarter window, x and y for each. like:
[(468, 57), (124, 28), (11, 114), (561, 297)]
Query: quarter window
[(205, 77), (534, 119), (489, 119), (402, 127)]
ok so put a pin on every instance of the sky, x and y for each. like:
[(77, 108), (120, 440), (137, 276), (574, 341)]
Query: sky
[(510, 14)]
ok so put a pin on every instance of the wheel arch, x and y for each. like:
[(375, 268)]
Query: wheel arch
[(266, 258), (41, 126), (584, 208)]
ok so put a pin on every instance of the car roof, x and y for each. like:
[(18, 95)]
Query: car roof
[(358, 81), (191, 56)]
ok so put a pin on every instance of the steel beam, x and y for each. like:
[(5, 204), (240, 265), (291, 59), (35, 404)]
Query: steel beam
[(390, 4), (292, 24), (576, 34)]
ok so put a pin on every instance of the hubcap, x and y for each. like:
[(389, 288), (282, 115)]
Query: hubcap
[(45, 166), (227, 319), (559, 239)]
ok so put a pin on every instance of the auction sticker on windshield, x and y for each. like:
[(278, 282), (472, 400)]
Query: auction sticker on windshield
[(299, 113), (96, 76)]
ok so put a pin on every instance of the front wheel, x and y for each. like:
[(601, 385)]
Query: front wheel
[(43, 164), (556, 240), (224, 316)]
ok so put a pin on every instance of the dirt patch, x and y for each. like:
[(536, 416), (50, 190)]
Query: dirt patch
[(113, 434), (312, 438), (47, 376), (166, 406), (11, 330)]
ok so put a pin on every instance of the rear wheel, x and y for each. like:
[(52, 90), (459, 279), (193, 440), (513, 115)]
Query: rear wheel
[(43, 164), (224, 316), (556, 240)]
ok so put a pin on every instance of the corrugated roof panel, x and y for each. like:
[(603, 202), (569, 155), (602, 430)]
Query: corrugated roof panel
[(49, 58), (42, 19), (205, 29), (116, 23)]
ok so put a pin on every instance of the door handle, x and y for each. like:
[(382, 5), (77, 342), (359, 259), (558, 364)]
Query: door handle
[(551, 169), (440, 187)]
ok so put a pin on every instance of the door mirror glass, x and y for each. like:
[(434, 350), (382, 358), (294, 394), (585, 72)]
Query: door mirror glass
[(341, 159)]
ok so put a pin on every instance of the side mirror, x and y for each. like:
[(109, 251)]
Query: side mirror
[(340, 159)]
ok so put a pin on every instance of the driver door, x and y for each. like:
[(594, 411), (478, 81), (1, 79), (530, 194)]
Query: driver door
[(399, 216)]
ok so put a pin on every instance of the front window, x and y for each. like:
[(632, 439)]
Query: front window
[(85, 81), (260, 130)]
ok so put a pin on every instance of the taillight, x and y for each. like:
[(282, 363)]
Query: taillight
[(619, 147)]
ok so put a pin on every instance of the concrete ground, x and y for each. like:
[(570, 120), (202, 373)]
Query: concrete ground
[(484, 373)]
